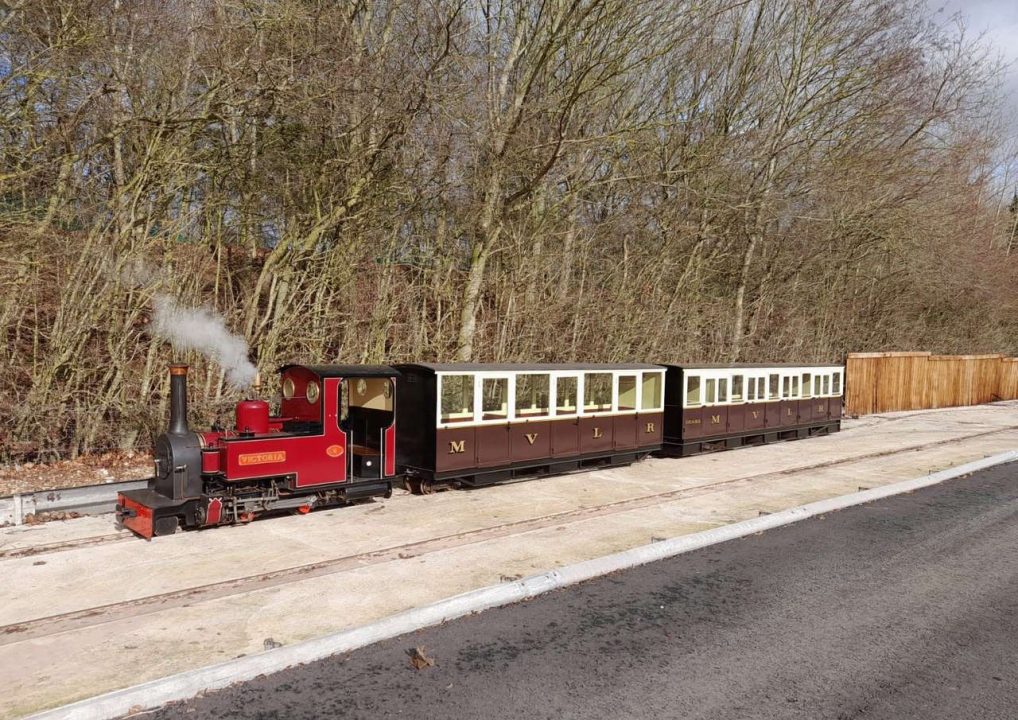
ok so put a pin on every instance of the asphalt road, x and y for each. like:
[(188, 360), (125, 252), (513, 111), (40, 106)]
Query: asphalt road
[(903, 608)]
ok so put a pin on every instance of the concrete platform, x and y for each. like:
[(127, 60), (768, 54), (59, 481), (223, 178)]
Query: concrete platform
[(131, 611)]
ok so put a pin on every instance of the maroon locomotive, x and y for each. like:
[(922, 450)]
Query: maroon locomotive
[(334, 441)]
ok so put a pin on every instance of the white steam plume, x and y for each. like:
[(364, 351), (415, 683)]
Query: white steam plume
[(205, 331)]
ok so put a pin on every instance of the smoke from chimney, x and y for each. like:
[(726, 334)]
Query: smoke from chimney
[(205, 331)]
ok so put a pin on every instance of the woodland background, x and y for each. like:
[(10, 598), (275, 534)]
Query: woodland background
[(494, 180)]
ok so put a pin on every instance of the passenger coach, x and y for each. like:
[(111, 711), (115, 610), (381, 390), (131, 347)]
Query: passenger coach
[(710, 407), (474, 424)]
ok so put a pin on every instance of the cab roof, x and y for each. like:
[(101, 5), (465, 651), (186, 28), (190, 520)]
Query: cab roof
[(341, 371)]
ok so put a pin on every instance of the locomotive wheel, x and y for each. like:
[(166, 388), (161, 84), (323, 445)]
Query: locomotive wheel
[(166, 525)]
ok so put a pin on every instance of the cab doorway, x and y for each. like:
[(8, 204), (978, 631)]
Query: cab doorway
[(366, 411)]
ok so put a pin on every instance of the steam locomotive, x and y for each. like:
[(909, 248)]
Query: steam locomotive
[(349, 432)]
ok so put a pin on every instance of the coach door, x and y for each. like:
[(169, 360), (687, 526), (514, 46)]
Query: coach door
[(366, 416)]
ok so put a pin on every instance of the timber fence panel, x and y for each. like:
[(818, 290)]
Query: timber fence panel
[(1008, 388), (891, 381)]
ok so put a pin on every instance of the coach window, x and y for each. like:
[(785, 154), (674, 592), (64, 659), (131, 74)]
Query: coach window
[(532, 395), (750, 389), (457, 398), (737, 381), (627, 392), (775, 387), (565, 395), (651, 391), (712, 391), (693, 391), (597, 392), (495, 399), (723, 390), (836, 384), (786, 387), (806, 381), (816, 384), (827, 385)]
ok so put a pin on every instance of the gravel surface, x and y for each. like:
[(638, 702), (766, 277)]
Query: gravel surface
[(903, 608)]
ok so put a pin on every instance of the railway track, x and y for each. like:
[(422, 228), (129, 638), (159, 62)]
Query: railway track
[(50, 625)]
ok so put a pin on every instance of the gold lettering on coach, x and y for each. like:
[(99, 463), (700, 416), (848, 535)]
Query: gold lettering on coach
[(457, 446), (650, 427), (597, 432), (715, 419), (531, 437)]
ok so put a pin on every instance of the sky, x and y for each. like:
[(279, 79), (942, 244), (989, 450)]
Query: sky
[(998, 19)]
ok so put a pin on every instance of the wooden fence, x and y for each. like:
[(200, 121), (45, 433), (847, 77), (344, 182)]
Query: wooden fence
[(884, 382)]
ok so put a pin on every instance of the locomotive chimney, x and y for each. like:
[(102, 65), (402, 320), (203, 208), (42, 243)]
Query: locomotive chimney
[(178, 400)]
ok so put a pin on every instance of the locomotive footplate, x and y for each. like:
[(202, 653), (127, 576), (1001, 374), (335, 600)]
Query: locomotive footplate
[(149, 513)]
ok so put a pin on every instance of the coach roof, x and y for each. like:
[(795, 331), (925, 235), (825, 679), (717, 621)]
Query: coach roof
[(529, 367)]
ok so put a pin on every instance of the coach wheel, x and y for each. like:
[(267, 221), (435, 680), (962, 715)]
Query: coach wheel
[(427, 487)]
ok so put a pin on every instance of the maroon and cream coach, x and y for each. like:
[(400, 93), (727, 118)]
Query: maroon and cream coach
[(474, 424)]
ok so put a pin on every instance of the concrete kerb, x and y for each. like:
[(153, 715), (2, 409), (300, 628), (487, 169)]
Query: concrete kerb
[(194, 682)]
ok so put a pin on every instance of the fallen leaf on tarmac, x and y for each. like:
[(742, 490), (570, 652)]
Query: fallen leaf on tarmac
[(270, 644), (419, 659)]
